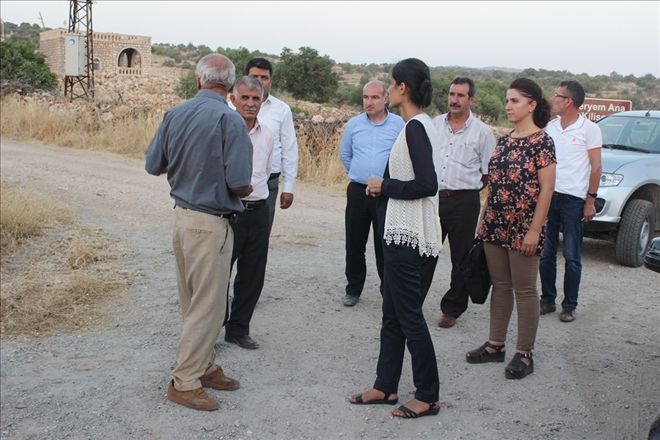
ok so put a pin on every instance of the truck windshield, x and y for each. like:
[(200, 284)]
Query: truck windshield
[(631, 133)]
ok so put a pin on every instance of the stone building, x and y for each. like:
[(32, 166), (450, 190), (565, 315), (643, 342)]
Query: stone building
[(113, 53)]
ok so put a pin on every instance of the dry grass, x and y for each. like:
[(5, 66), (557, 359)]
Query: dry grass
[(23, 215), (80, 126), (56, 274), (130, 131), (318, 160)]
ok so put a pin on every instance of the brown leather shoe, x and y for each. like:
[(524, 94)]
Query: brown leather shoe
[(547, 308), (218, 381), (447, 321), (567, 315), (195, 399)]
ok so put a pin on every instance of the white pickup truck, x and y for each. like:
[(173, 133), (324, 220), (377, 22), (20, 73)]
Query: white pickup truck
[(628, 203)]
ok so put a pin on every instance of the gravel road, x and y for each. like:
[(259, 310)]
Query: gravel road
[(597, 378)]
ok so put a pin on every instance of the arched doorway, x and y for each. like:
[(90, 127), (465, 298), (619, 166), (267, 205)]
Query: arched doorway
[(129, 61)]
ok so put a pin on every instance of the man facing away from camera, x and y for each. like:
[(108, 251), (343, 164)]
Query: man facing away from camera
[(204, 148)]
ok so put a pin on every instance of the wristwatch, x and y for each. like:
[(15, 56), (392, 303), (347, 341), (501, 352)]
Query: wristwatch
[(594, 195)]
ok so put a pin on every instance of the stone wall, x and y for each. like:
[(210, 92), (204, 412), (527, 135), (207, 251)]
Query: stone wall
[(114, 53)]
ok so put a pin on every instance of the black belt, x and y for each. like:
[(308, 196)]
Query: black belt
[(228, 216), (444, 193), (558, 194), (251, 204)]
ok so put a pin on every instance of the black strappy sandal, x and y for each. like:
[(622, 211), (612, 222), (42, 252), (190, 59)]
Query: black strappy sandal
[(481, 355), (434, 409), (517, 369), (384, 401)]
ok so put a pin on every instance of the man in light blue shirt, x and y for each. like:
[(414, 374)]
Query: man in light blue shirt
[(364, 151)]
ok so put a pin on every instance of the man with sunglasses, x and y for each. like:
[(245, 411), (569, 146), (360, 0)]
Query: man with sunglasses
[(578, 144)]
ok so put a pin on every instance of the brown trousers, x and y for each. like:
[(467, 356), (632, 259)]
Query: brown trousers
[(203, 245), (513, 273)]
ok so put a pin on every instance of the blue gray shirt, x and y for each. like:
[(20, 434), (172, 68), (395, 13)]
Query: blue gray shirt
[(205, 149), (365, 146)]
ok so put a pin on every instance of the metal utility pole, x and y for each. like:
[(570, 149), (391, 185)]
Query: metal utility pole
[(81, 84)]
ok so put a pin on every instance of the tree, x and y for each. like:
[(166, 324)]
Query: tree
[(187, 87), (440, 92), (21, 62), (306, 75), (489, 107)]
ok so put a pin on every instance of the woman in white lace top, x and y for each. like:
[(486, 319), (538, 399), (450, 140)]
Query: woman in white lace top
[(410, 229)]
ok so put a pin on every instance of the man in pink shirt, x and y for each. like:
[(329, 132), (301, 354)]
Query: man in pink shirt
[(252, 226)]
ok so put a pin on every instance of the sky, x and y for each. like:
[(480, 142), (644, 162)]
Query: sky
[(593, 37)]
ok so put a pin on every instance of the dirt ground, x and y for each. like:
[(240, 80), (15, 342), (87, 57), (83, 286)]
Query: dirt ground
[(597, 378)]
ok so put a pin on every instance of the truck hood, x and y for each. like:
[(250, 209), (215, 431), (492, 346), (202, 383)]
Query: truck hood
[(612, 160)]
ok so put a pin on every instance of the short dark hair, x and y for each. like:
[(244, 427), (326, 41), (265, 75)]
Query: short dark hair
[(465, 80), (575, 90), (533, 91), (261, 63), (417, 78)]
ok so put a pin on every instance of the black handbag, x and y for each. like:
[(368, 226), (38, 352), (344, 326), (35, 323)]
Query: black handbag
[(474, 270)]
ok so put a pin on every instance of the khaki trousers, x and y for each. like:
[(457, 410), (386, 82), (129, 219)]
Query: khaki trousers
[(202, 247), (512, 273)]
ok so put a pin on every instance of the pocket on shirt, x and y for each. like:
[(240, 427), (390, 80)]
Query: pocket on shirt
[(469, 155)]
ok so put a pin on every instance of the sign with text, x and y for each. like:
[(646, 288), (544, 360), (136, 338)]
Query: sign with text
[(597, 108)]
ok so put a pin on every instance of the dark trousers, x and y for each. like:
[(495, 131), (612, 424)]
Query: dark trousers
[(407, 279), (251, 231), (271, 201), (565, 213), (360, 217), (458, 219)]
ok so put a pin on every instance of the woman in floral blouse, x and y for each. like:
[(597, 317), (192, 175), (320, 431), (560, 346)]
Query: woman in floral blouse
[(521, 178)]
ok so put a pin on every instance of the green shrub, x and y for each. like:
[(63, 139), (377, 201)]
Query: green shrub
[(20, 61), (187, 87), (348, 94), (306, 75)]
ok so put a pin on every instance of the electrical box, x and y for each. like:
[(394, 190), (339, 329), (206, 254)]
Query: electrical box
[(75, 55)]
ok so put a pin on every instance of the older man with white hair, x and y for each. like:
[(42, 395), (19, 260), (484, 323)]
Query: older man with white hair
[(204, 148), (252, 226)]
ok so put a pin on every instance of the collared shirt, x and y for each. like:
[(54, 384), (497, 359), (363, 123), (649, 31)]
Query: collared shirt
[(464, 154), (277, 116), (365, 145), (572, 147), (205, 149), (262, 160)]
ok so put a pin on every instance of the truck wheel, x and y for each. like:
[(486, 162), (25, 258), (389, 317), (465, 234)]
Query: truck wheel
[(635, 233)]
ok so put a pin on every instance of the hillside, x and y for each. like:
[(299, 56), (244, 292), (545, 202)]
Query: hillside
[(172, 62)]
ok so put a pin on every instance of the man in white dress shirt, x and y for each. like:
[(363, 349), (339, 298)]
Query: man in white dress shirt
[(277, 116), (467, 144), (252, 226)]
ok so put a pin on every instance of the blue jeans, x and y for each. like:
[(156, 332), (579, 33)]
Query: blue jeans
[(566, 212)]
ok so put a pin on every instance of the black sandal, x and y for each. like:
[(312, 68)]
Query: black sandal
[(517, 369), (384, 401), (481, 355), (434, 409)]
